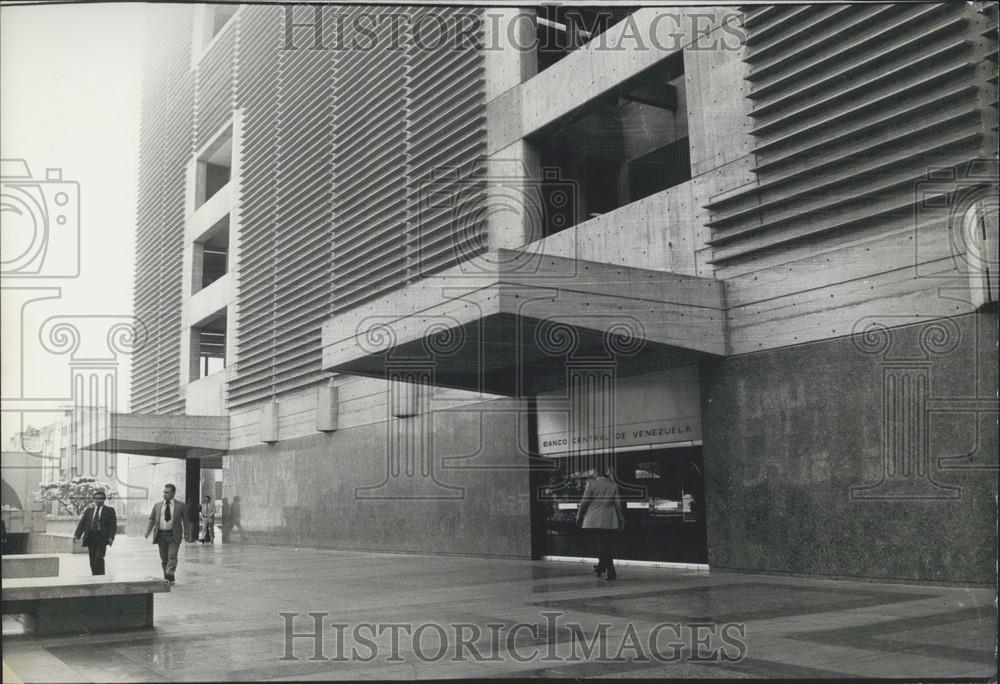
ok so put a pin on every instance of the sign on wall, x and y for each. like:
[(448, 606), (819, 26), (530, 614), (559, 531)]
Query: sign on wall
[(656, 408)]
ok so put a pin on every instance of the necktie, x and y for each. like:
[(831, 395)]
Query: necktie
[(166, 514), (95, 524)]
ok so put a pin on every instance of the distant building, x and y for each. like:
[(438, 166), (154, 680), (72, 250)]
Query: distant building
[(403, 292), (56, 453)]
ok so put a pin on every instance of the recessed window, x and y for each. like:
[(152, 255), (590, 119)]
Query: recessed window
[(219, 16), (564, 29), (619, 148), (209, 22), (215, 167), (211, 255), (214, 265), (208, 341)]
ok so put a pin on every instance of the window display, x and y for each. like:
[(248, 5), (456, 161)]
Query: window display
[(662, 491)]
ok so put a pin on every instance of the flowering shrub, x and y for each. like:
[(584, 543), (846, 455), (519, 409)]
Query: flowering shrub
[(73, 495)]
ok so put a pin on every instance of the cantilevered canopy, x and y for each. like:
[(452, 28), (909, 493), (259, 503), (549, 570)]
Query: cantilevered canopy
[(166, 436), (511, 322)]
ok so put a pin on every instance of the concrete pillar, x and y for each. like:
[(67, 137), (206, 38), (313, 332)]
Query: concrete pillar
[(192, 492), (515, 214), (514, 194), (327, 407), (269, 422), (510, 57)]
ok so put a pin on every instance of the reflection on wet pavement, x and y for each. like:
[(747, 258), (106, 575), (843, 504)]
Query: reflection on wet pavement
[(395, 616)]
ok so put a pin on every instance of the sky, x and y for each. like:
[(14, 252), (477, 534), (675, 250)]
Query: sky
[(70, 94)]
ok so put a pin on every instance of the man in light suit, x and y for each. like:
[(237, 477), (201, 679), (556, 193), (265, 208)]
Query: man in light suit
[(601, 514), (167, 520), (96, 530)]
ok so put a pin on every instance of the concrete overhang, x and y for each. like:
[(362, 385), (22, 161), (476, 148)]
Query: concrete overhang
[(165, 436), (510, 322)]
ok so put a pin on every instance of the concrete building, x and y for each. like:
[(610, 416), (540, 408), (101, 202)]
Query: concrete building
[(408, 273), (64, 445), (57, 454), (43, 445)]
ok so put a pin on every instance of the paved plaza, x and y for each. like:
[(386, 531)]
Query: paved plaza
[(506, 618)]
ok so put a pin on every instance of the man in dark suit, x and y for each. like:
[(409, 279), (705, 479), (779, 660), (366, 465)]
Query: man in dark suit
[(96, 529), (167, 520)]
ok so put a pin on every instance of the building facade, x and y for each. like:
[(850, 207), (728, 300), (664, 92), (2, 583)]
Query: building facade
[(407, 273), (56, 451)]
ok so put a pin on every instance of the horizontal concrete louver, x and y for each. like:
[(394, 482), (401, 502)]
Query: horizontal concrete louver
[(257, 92), (214, 84), (303, 237), (369, 209), (359, 132), (851, 106), (410, 199), (991, 32), (166, 143), (147, 250), (284, 290), (337, 150), (445, 141)]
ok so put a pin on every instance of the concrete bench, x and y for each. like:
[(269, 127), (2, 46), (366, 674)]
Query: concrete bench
[(67, 525), (58, 605), (54, 542), (30, 565)]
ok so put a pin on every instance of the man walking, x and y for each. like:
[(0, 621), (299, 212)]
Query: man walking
[(96, 530), (600, 514), (167, 520)]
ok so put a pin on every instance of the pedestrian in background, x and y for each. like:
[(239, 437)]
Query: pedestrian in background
[(207, 514), (236, 513)]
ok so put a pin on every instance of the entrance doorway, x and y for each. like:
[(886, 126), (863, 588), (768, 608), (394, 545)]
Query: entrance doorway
[(663, 494)]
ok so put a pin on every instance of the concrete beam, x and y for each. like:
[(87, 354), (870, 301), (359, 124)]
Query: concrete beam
[(478, 328), (168, 435)]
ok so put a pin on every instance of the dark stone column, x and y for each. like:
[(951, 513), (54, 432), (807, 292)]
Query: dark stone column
[(192, 493)]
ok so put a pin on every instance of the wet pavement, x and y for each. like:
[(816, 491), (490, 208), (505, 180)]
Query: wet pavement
[(234, 609)]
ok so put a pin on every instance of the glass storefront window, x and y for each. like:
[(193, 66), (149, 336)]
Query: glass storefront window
[(661, 491)]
